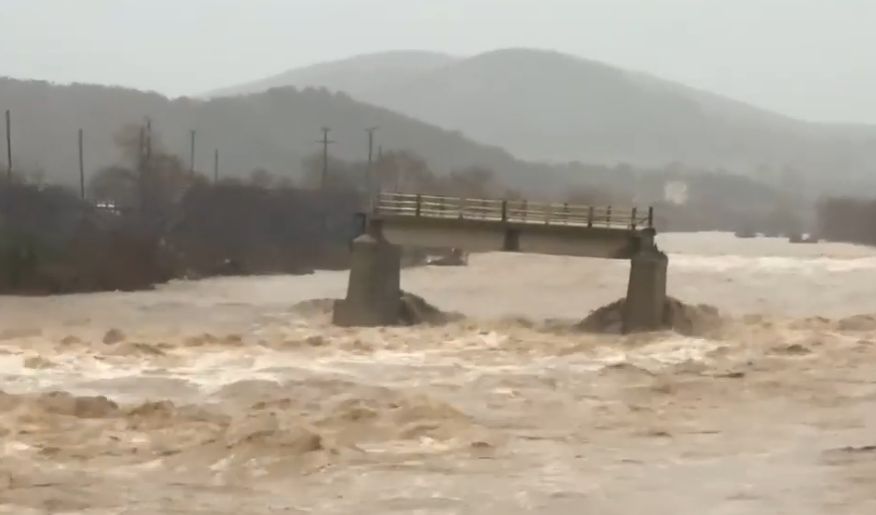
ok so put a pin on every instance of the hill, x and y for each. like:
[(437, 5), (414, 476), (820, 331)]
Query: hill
[(359, 75), (275, 130), (278, 131), (551, 106)]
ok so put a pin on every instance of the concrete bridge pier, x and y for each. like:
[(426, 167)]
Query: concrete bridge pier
[(374, 287), (646, 292)]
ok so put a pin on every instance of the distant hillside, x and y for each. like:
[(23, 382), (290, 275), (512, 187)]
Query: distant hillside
[(275, 130), (547, 105), (358, 76)]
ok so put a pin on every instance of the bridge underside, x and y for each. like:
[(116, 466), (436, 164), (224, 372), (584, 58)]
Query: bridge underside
[(489, 236)]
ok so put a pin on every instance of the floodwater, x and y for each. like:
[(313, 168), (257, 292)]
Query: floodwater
[(224, 396)]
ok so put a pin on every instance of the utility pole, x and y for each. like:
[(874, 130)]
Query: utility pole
[(325, 144), (369, 172), (192, 152), (141, 170), (216, 165), (9, 146), (81, 166), (148, 140), (148, 179)]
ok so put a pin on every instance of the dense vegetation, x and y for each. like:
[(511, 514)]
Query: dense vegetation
[(847, 219), (274, 131)]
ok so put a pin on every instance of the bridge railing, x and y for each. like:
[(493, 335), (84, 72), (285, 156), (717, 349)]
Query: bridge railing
[(516, 211)]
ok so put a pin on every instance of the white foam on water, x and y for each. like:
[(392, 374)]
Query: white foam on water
[(770, 264), (211, 371)]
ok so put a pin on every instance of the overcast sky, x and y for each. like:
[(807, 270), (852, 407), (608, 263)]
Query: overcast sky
[(815, 59)]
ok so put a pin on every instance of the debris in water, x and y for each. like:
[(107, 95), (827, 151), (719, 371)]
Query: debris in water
[(686, 319)]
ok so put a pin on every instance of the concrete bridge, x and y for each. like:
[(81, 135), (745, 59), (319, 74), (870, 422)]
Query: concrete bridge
[(479, 225)]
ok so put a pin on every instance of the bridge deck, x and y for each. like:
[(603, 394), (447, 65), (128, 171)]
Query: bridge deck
[(435, 207)]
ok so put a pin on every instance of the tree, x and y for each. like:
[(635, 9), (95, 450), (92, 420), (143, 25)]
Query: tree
[(261, 178), (474, 181), (148, 178), (338, 174)]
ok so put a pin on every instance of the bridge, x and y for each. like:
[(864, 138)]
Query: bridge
[(479, 225)]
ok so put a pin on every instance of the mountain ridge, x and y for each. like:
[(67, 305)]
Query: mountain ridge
[(403, 61), (546, 105), (276, 130)]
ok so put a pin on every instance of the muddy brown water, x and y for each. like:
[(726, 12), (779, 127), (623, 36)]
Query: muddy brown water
[(231, 396)]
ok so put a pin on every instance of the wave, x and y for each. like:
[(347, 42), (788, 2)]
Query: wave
[(279, 431)]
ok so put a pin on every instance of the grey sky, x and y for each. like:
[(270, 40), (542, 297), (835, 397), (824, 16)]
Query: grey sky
[(809, 58)]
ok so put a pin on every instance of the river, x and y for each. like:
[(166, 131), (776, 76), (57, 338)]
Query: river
[(236, 396)]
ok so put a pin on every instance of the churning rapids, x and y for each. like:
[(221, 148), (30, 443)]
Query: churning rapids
[(235, 396)]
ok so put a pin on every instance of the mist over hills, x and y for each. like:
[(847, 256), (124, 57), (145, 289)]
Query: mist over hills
[(592, 119), (546, 105), (278, 131)]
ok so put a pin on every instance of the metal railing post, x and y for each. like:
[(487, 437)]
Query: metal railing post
[(590, 214), (504, 210), (650, 216), (633, 224), (608, 217), (419, 205)]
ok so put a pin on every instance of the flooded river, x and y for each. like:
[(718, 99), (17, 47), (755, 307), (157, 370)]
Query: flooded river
[(235, 396)]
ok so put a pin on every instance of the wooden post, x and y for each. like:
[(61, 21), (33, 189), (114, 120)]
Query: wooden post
[(325, 145), (141, 173), (192, 152), (369, 179), (148, 172), (9, 146), (81, 166)]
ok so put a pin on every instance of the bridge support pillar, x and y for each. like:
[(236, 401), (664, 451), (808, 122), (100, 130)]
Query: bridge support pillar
[(646, 292), (374, 289)]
